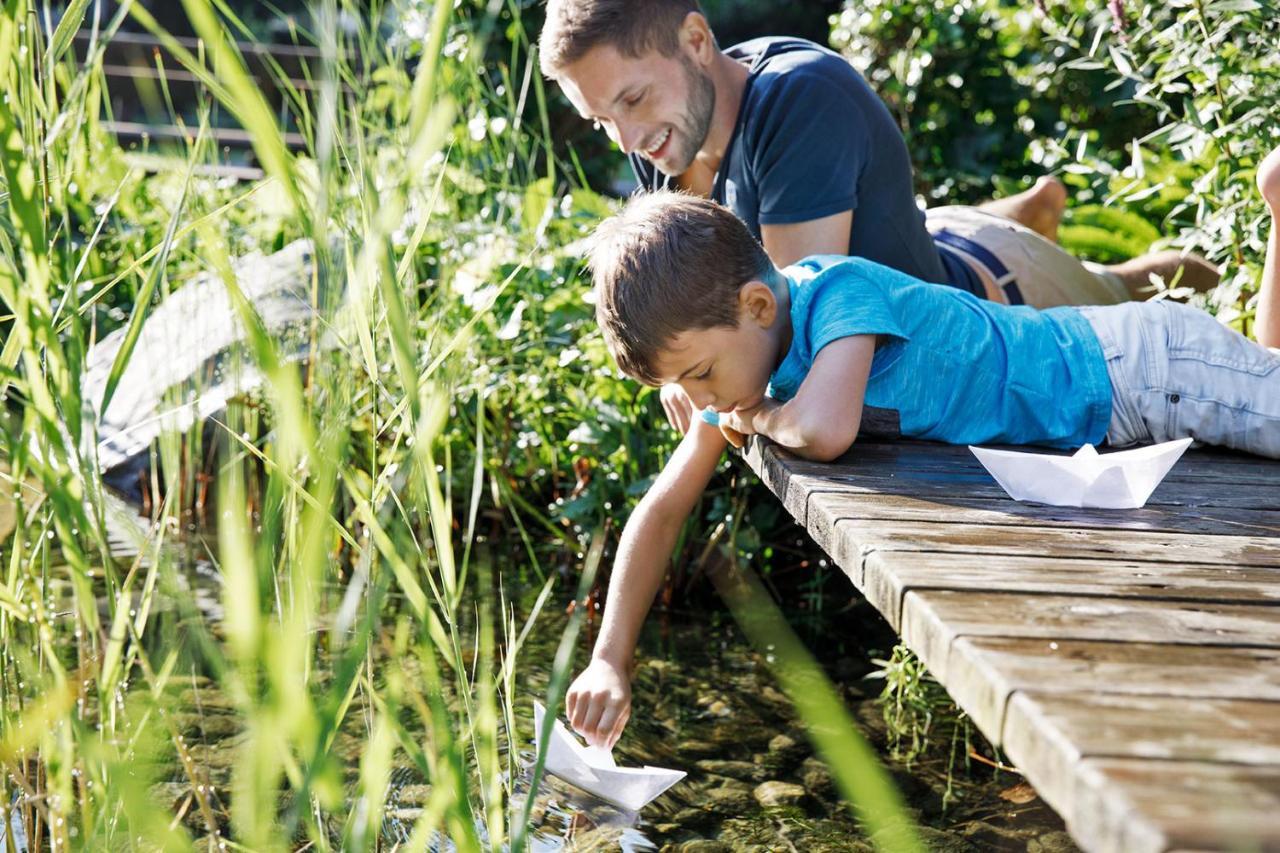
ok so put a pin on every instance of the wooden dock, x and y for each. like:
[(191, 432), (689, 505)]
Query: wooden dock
[(1126, 661)]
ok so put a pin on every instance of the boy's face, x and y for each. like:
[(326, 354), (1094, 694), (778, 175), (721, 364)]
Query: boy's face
[(659, 107), (725, 368)]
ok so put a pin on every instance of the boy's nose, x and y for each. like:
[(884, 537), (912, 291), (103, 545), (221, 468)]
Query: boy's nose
[(701, 399)]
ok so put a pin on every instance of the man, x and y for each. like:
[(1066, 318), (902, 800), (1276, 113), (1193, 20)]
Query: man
[(792, 139)]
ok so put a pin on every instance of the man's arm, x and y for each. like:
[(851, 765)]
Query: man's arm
[(822, 420), (599, 700), (789, 243)]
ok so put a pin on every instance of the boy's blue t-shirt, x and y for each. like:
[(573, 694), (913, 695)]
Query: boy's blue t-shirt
[(812, 139), (955, 368)]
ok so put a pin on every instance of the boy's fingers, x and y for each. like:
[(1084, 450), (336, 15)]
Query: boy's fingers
[(578, 716), (608, 723), (675, 415), (570, 703), (734, 437), (620, 725), (591, 720)]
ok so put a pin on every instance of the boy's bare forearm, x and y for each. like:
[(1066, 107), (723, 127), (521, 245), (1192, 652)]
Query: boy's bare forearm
[(649, 539), (803, 430), (643, 554)]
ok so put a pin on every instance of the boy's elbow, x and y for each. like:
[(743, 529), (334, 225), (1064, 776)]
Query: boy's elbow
[(826, 444)]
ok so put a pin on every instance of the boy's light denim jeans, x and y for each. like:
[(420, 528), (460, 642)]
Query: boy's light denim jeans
[(1176, 372)]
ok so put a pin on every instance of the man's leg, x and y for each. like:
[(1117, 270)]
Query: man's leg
[(1039, 208), (1047, 276), (1174, 267), (1266, 326)]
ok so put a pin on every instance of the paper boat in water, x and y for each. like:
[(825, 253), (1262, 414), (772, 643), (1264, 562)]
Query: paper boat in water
[(1120, 480), (592, 769)]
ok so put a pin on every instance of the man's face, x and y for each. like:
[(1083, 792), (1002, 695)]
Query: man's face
[(721, 368), (659, 107)]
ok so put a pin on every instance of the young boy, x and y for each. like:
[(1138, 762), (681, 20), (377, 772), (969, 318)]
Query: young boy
[(685, 294)]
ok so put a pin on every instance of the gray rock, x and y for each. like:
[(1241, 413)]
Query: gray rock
[(786, 751), (729, 799), (181, 367), (783, 743), (937, 841), (817, 778), (696, 749), (988, 836), (692, 818), (774, 793), (744, 770), (1052, 842), (705, 845)]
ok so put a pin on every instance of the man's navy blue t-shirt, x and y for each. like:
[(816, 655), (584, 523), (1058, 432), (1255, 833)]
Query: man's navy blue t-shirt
[(812, 140)]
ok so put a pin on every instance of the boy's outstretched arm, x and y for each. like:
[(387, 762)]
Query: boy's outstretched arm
[(599, 700), (1266, 327), (822, 420)]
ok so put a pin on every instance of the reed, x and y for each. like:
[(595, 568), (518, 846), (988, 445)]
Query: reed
[(359, 625)]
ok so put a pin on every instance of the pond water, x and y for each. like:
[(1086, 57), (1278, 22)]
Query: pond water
[(706, 702)]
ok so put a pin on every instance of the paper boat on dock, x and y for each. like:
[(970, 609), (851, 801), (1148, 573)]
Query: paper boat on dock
[(594, 771), (1120, 480)]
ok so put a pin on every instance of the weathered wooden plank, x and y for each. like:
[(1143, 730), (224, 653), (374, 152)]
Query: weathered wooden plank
[(910, 452), (1056, 730), (1248, 487), (1049, 737), (1143, 806), (850, 541), (985, 671), (932, 620), (942, 463), (943, 485), (1217, 521), (888, 575), (1128, 660)]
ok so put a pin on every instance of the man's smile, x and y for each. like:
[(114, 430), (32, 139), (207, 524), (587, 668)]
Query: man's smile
[(654, 148)]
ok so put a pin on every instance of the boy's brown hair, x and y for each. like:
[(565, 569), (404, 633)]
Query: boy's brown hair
[(668, 263), (633, 27)]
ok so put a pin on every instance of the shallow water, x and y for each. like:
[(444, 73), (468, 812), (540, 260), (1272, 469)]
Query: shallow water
[(704, 701)]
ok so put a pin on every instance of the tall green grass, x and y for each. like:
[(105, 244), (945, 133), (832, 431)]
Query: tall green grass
[(363, 624), (347, 607)]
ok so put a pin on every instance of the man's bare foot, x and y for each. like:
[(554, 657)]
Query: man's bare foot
[(1269, 180), (1197, 273), (1039, 208)]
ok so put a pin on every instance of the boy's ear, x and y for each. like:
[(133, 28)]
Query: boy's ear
[(757, 303)]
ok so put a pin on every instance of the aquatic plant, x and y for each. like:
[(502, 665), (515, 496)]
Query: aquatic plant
[(354, 623), (348, 606)]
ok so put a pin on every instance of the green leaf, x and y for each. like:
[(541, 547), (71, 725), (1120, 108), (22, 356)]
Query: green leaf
[(537, 197), (1223, 6), (66, 31)]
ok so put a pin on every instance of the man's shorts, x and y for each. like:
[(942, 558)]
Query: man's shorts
[(1019, 266)]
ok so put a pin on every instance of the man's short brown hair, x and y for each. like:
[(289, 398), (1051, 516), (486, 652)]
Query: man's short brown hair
[(633, 27), (668, 263)]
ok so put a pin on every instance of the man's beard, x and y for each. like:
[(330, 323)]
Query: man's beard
[(695, 124)]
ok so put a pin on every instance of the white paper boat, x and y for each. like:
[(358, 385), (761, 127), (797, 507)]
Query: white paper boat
[(1120, 480), (592, 769)]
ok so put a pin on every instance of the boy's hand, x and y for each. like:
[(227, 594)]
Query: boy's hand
[(678, 406), (750, 421), (599, 703)]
